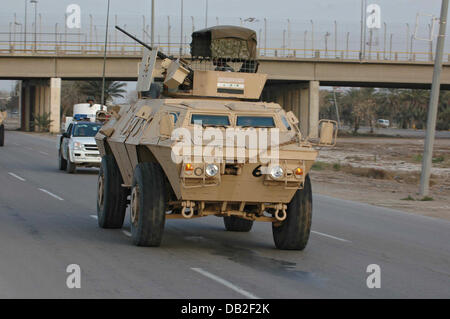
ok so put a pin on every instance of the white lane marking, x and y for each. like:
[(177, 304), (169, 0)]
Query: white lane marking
[(93, 216), (16, 144), (127, 233), (28, 148), (17, 176), (43, 153), (329, 236), (51, 194), (225, 283)]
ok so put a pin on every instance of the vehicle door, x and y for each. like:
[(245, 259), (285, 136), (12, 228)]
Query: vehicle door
[(65, 143)]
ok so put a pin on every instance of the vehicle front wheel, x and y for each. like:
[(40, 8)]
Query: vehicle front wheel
[(293, 233), (148, 204), (62, 163), (234, 223), (70, 166), (111, 196), (2, 135)]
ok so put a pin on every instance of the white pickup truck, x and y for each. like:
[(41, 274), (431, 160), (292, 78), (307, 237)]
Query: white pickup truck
[(77, 147)]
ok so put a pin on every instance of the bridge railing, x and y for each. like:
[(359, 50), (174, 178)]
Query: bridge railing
[(131, 49)]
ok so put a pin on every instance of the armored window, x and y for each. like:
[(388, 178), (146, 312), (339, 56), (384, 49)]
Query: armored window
[(255, 121), (286, 123), (210, 120)]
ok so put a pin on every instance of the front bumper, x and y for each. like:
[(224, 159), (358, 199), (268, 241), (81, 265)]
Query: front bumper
[(86, 157)]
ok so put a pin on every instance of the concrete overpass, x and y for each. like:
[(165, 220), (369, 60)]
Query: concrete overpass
[(293, 82)]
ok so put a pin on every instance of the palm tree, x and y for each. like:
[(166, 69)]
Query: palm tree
[(113, 89)]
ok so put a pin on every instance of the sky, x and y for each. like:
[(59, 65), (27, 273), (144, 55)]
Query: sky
[(347, 13)]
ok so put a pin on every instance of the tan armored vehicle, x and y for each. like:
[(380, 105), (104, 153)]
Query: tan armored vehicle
[(3, 115), (186, 148)]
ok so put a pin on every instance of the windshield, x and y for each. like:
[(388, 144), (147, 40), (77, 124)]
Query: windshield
[(210, 120), (255, 121), (86, 129)]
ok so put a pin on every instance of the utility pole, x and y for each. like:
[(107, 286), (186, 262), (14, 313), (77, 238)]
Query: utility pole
[(336, 107), (153, 23), (433, 106), (193, 25)]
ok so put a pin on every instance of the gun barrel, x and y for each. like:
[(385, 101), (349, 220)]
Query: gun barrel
[(160, 54)]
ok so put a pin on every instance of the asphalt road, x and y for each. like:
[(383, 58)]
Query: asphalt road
[(47, 222)]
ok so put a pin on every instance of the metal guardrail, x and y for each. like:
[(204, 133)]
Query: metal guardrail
[(132, 49)]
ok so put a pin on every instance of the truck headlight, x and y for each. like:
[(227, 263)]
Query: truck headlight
[(77, 146), (211, 170), (276, 172)]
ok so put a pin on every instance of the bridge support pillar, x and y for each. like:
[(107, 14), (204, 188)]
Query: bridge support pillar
[(41, 97), (55, 105), (302, 99), (309, 109)]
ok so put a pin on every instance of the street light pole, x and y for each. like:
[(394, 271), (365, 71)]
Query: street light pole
[(35, 21), (181, 32), (153, 23), (433, 106), (312, 37), (104, 57), (265, 37), (25, 27), (206, 15)]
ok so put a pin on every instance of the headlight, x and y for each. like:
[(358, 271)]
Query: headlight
[(276, 172), (77, 146), (212, 170)]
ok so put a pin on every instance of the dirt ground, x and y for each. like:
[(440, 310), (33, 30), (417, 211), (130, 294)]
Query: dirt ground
[(385, 172)]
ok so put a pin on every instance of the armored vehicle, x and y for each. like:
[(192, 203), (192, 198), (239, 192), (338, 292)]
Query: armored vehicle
[(3, 115), (186, 149)]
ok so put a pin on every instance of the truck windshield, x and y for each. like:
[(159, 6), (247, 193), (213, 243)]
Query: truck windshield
[(210, 120), (255, 121), (86, 129)]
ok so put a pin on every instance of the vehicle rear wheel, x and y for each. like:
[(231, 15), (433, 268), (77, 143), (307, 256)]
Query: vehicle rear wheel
[(148, 204), (70, 166), (234, 223), (293, 233), (62, 163), (111, 196), (2, 135)]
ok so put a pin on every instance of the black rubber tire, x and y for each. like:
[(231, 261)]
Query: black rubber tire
[(234, 223), (2, 135), (148, 229), (112, 205), (293, 233), (62, 163), (70, 167)]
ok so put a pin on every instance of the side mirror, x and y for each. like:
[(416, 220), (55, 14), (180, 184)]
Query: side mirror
[(65, 135), (292, 118), (327, 133), (166, 125)]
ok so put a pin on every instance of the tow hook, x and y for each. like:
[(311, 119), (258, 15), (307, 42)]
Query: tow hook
[(190, 205), (280, 212)]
